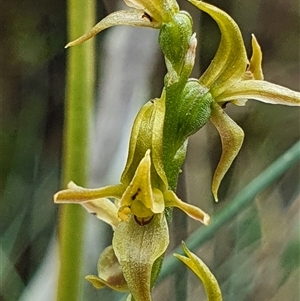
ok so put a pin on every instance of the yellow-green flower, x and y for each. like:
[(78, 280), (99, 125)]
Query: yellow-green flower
[(232, 78), (137, 212), (143, 13), (141, 232), (175, 26), (139, 199), (144, 189)]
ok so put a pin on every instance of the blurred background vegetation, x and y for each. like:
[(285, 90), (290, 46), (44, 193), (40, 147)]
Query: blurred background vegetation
[(255, 257)]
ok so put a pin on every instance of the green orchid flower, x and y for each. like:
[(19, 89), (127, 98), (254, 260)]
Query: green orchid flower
[(137, 213), (143, 13), (139, 199), (175, 26), (144, 189), (231, 78)]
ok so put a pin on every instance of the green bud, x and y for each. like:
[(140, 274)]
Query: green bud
[(192, 112), (109, 272), (174, 38), (195, 109)]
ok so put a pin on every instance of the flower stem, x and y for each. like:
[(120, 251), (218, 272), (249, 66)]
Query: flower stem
[(78, 108)]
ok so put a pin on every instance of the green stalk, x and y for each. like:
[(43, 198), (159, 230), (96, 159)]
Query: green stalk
[(78, 108), (239, 203)]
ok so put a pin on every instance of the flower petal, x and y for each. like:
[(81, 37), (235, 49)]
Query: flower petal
[(211, 285), (135, 4), (171, 200), (137, 143), (104, 209), (79, 195), (147, 133), (157, 139), (157, 9), (240, 102), (97, 282), (230, 61), (262, 91), (132, 17), (139, 195), (256, 60), (137, 248), (109, 272), (232, 137)]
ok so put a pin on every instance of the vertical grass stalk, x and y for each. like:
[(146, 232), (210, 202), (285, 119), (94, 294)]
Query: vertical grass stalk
[(78, 109)]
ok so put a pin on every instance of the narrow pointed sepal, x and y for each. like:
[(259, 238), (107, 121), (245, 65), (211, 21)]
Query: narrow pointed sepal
[(137, 247), (209, 281), (256, 60), (131, 17), (232, 137), (171, 200), (262, 91), (95, 201), (230, 61), (254, 70), (78, 195)]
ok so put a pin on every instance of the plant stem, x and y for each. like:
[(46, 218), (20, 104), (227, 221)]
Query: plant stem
[(78, 108), (180, 227), (239, 203)]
